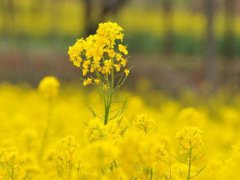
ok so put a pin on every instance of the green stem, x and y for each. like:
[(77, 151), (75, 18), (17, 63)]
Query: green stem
[(69, 170), (170, 177), (46, 129), (12, 173), (106, 115), (190, 162), (151, 174), (108, 101)]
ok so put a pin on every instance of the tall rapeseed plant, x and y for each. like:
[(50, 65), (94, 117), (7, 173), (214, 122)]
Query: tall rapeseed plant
[(102, 60)]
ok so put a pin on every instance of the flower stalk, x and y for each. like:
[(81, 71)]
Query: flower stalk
[(189, 161)]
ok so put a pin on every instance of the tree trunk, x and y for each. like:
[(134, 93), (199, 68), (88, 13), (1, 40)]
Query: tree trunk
[(228, 46), (210, 44), (167, 6), (106, 7), (88, 25)]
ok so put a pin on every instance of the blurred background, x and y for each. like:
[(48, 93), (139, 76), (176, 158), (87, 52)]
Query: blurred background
[(173, 44)]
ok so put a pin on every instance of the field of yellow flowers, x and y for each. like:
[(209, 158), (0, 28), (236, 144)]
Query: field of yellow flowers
[(62, 140), (68, 133)]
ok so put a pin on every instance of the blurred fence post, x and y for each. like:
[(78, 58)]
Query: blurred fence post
[(167, 7), (210, 43)]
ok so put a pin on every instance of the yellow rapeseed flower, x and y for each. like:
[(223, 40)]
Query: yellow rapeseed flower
[(49, 86), (190, 138), (96, 81), (97, 54), (122, 49), (126, 71), (87, 81)]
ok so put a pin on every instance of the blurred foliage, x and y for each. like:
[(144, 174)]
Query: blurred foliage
[(145, 30)]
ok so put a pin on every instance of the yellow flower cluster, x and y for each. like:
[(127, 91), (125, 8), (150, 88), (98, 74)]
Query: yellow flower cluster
[(67, 158), (11, 161), (190, 138), (96, 131), (101, 54), (49, 87), (144, 123)]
